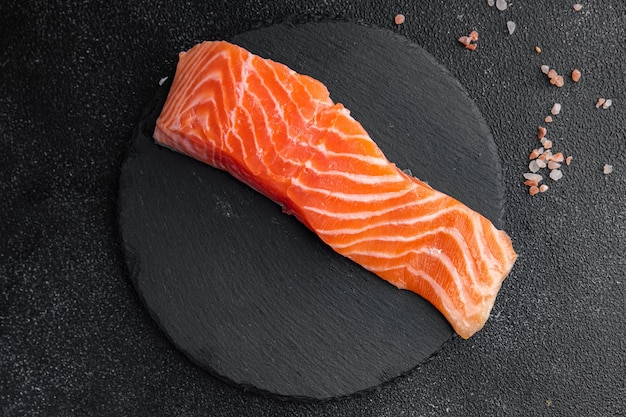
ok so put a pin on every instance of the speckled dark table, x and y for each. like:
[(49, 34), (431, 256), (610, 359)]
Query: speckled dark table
[(75, 338)]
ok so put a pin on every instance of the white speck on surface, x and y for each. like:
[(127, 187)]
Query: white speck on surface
[(511, 27), (532, 176), (434, 250), (607, 169), (532, 166), (578, 7), (501, 5), (556, 174), (556, 109), (162, 80)]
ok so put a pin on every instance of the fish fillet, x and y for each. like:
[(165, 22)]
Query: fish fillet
[(279, 132)]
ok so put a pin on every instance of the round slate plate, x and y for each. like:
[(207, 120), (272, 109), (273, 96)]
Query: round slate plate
[(250, 294)]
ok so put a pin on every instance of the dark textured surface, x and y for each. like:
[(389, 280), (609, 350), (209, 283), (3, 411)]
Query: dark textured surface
[(75, 337), (248, 292)]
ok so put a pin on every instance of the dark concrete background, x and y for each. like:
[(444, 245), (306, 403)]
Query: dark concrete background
[(75, 339)]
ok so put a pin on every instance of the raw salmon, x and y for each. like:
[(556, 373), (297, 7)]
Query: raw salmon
[(279, 132)]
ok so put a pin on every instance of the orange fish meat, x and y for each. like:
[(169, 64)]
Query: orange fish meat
[(279, 132)]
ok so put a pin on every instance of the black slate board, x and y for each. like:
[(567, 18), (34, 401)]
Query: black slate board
[(250, 294)]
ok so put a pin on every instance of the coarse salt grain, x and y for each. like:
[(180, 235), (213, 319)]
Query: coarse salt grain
[(545, 69), (533, 154), (600, 102), (533, 190), (607, 104), (578, 7), (558, 81), (553, 165), (557, 157), (556, 174), (607, 169), (548, 119), (473, 35), (501, 5), (576, 75), (533, 166), (547, 144), (556, 109), (552, 73), (533, 176), (399, 19), (511, 27), (543, 188), (537, 49), (465, 40), (568, 160), (541, 132), (541, 163)]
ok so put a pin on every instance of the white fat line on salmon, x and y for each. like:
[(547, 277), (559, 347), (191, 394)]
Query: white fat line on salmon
[(190, 77), (371, 214), (192, 97), (278, 106), (469, 264), (479, 237), (449, 305), (371, 160), (357, 178), (362, 198), (353, 137)]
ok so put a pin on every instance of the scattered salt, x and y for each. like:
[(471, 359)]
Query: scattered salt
[(533, 176), (501, 5), (556, 174), (607, 169), (533, 166), (553, 165), (511, 27), (541, 132), (533, 190), (556, 109)]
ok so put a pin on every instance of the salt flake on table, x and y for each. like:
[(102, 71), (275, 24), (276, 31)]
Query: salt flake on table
[(511, 27)]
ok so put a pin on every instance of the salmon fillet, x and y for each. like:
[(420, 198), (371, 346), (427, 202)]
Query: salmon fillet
[(279, 132)]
